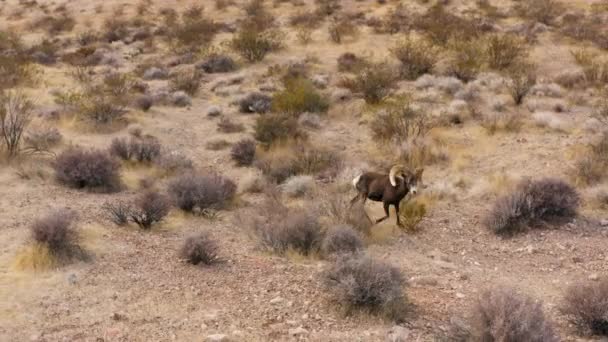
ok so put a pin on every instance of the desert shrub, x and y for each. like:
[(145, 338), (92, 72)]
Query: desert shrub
[(282, 162), (594, 67), (467, 58), (174, 161), (586, 306), (92, 169), (399, 122), (144, 102), (327, 7), (200, 248), (188, 82), (396, 20), (275, 128), (118, 212), (199, 193), (342, 28), (257, 16), (192, 33), (350, 62), (254, 45), (340, 240), (501, 314), (243, 152), (144, 149), (360, 282), (101, 110), (279, 229), (42, 139), (441, 26), (54, 24), (226, 125), (532, 203), (374, 82), (149, 208), (15, 115), (590, 168), (217, 144), (298, 186), (299, 96), (543, 11), (255, 103), (417, 57), (520, 84), (218, 64), (15, 66), (337, 208), (411, 214), (504, 50), (56, 232)]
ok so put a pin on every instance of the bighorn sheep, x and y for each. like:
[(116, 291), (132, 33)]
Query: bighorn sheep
[(388, 189)]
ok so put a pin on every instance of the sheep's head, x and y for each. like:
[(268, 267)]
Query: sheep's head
[(413, 180)]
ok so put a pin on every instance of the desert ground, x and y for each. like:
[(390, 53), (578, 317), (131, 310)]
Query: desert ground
[(481, 95)]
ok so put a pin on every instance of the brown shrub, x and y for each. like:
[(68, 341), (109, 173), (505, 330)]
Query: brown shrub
[(360, 282), (283, 162), (441, 26), (543, 11), (145, 149), (93, 169), (200, 248), (149, 208), (42, 139), (501, 314), (144, 102), (399, 122), (590, 168), (340, 240), (117, 211), (299, 96), (255, 103), (254, 45), (191, 32), (243, 152), (15, 115), (228, 126), (350, 62), (188, 82), (56, 231), (502, 51), (342, 28), (520, 85), (467, 58), (533, 203), (218, 64), (198, 193), (275, 128), (101, 110), (586, 306), (374, 82), (417, 57)]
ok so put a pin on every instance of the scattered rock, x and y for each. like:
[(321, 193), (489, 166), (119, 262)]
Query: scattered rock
[(594, 276), (214, 111), (277, 300), (398, 334), (217, 338), (299, 331)]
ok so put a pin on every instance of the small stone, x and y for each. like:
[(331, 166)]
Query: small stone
[(217, 338), (181, 99), (425, 281), (72, 279), (594, 276), (277, 300), (214, 111), (299, 331), (604, 223), (398, 334), (460, 295)]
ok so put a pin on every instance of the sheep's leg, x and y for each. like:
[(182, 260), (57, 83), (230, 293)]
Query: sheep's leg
[(397, 212), (356, 198), (386, 206)]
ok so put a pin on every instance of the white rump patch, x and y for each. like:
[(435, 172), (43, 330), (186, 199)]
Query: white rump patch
[(356, 181)]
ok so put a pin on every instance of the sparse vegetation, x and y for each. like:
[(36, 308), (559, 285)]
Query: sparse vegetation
[(199, 193), (411, 214), (417, 57), (341, 240), (56, 232), (532, 203), (586, 306), (299, 96), (360, 282), (200, 249), (15, 115), (243, 152), (275, 128), (149, 208), (254, 45), (87, 169), (520, 84), (373, 82)]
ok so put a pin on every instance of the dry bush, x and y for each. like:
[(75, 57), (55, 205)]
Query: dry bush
[(590, 168), (532, 203), (498, 121), (299, 96), (56, 232), (374, 82), (15, 115), (101, 110), (173, 161), (54, 25), (257, 16), (336, 206), (417, 57), (467, 58), (327, 7), (217, 144), (441, 26), (341, 239), (149, 208), (200, 193), (191, 32), (501, 314), (243, 152), (254, 45), (543, 11), (188, 82), (411, 214), (276, 128), (586, 306), (502, 51), (144, 102), (255, 103), (42, 139), (216, 63), (396, 20), (339, 29), (595, 68), (298, 186), (92, 169), (350, 62), (226, 125), (144, 149), (200, 249), (282, 162), (520, 84), (360, 282), (399, 122), (117, 211), (280, 229)]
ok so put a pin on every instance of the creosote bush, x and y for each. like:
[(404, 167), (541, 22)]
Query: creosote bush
[(501, 314), (299, 96), (56, 232), (276, 128), (417, 57), (90, 169), (149, 208), (254, 45), (532, 203), (520, 84), (374, 82), (360, 282), (502, 51), (145, 149), (201, 192), (341, 240), (243, 152), (586, 306), (200, 249)]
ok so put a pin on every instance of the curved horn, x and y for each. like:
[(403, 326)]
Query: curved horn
[(393, 174)]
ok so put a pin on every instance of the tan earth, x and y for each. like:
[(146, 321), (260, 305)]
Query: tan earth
[(135, 287)]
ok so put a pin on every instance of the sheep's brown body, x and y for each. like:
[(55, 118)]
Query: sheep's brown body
[(389, 189)]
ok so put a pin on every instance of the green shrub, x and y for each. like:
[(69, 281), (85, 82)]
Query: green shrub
[(254, 45), (374, 82), (276, 127), (299, 96), (504, 50), (417, 57)]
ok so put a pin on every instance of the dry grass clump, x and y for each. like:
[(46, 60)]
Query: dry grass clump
[(417, 56), (216, 63), (502, 121), (298, 186), (441, 26), (256, 37), (56, 232), (503, 51), (342, 239), (277, 128), (140, 149), (282, 162), (374, 82), (501, 314), (299, 96), (54, 25), (411, 214), (359, 282), (191, 32), (532, 203), (595, 67), (399, 122), (90, 169), (590, 168), (336, 207), (349, 62), (466, 58), (543, 11), (226, 125), (15, 115), (243, 152), (198, 193), (149, 208), (342, 28), (255, 103), (586, 306), (42, 140), (200, 249), (520, 84), (188, 82)]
